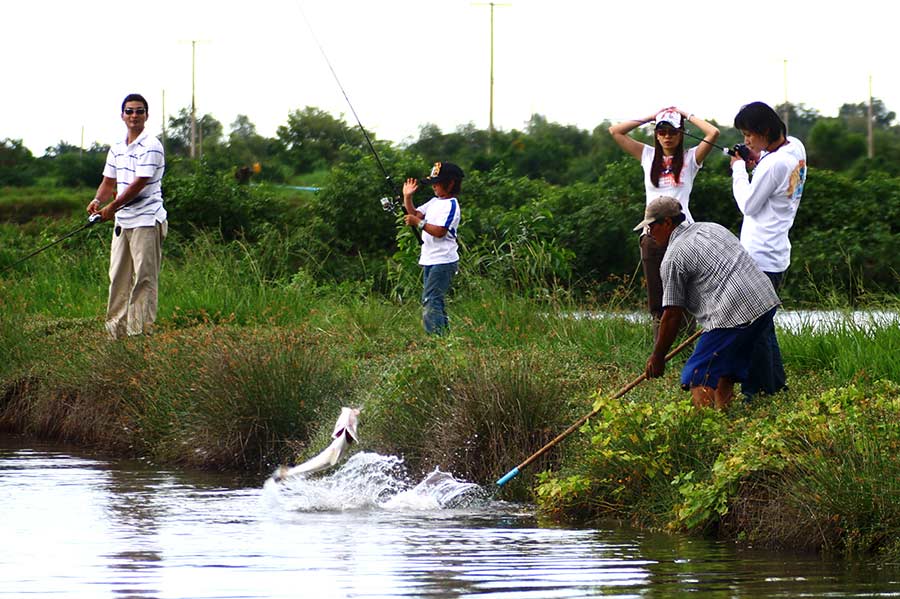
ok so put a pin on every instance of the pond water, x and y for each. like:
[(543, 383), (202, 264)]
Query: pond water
[(795, 321), (75, 524)]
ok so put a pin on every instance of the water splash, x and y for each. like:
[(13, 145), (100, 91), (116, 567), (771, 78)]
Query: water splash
[(438, 491), (372, 481)]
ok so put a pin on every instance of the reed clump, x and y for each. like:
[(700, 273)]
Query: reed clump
[(472, 409), (207, 396)]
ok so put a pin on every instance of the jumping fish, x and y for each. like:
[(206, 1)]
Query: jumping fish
[(344, 435)]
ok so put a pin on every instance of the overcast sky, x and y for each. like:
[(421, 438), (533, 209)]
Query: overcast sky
[(67, 64)]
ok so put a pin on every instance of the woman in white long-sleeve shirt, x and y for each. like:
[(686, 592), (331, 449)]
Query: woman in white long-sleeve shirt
[(769, 202)]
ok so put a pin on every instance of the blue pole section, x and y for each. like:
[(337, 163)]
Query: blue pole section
[(508, 477), (512, 473)]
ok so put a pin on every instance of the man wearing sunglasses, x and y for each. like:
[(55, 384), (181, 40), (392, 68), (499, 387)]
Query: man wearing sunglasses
[(132, 188)]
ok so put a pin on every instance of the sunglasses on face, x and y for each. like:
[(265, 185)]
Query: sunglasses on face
[(667, 132), (130, 111)]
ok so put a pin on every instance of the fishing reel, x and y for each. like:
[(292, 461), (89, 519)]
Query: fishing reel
[(390, 204)]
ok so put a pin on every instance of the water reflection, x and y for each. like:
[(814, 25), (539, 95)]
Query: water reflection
[(76, 525)]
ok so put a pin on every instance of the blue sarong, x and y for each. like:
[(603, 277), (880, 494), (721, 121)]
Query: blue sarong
[(724, 353)]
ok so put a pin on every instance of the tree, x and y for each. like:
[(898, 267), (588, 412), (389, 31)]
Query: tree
[(59, 149), (247, 148), (857, 115), (178, 134), (76, 167), (545, 149), (17, 164), (312, 139), (603, 151), (800, 119), (467, 146), (831, 145)]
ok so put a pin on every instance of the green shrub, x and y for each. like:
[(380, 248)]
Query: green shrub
[(207, 200), (470, 411)]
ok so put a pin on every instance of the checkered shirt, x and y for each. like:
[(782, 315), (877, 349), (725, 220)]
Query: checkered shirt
[(708, 272)]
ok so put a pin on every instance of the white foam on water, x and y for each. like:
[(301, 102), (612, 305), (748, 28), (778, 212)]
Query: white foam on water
[(437, 491), (372, 481)]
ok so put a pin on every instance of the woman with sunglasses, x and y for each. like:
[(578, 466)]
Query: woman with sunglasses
[(669, 170)]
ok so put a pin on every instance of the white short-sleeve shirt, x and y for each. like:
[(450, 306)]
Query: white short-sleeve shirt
[(443, 212), (681, 190), (125, 162)]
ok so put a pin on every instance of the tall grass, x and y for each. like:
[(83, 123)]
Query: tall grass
[(847, 348), (473, 409), (22, 204)]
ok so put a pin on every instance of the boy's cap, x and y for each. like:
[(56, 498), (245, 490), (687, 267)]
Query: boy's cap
[(442, 172), (659, 209)]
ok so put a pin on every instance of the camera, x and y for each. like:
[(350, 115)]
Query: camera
[(740, 150)]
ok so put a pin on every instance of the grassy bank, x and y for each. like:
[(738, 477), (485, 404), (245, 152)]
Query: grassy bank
[(247, 371), (812, 468)]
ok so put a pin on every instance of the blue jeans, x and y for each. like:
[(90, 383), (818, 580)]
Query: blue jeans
[(437, 279), (766, 367)]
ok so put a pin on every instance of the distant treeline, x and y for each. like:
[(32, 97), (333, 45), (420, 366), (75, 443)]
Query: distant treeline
[(544, 210), (313, 140)]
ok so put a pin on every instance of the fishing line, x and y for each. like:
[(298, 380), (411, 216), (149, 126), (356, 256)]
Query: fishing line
[(392, 202)]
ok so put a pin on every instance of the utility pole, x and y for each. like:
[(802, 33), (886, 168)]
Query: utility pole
[(491, 110), (787, 106), (193, 149), (193, 98), (164, 118), (870, 120)]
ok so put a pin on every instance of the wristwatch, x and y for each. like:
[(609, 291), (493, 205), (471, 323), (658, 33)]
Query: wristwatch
[(421, 225)]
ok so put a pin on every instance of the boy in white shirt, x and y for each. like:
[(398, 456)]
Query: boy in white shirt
[(438, 220)]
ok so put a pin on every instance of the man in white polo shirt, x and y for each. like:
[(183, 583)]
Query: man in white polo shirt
[(132, 184)]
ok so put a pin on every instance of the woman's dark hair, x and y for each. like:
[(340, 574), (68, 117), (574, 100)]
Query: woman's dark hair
[(455, 186), (677, 160), (135, 98), (760, 118)]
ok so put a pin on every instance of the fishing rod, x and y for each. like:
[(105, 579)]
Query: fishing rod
[(737, 150), (392, 202), (512, 473), (92, 220)]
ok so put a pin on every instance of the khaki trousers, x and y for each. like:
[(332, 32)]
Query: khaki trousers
[(134, 262)]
